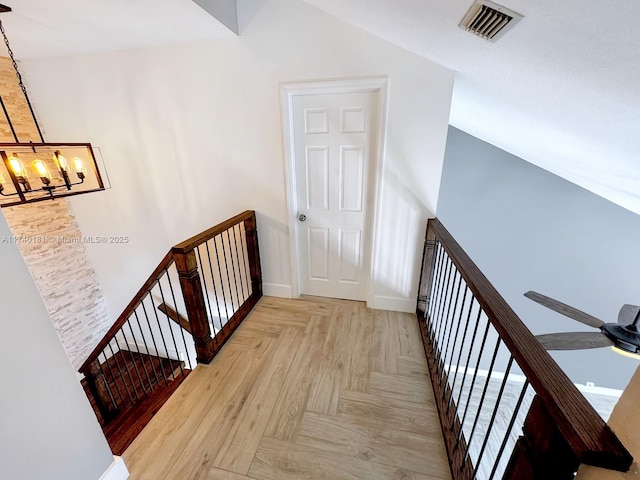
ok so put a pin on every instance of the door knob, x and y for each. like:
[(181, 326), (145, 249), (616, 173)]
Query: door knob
[(302, 217)]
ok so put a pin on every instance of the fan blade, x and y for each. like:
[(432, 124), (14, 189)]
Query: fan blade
[(628, 314), (574, 340), (565, 309)]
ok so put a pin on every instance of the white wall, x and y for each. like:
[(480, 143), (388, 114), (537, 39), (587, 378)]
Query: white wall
[(191, 135), (47, 428)]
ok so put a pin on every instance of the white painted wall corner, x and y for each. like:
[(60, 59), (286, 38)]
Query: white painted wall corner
[(116, 471)]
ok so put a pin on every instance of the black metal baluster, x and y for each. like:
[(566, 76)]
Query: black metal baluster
[(235, 241), (127, 369), (113, 377), (509, 428), (173, 337), (441, 304), (155, 345), (204, 284), (173, 296), (245, 257), (464, 341), (153, 367), (448, 342), (455, 339), (473, 379), (119, 369), (435, 289), (133, 359), (436, 297), (493, 417), (447, 325), (164, 343), (228, 277), (215, 291), (224, 298), (233, 269), (482, 397), (146, 371), (444, 268)]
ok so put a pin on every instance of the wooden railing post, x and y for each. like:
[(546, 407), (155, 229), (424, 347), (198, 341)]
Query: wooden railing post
[(426, 272), (253, 252), (541, 452), (101, 392), (187, 266)]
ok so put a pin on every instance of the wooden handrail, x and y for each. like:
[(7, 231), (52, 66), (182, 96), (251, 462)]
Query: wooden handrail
[(588, 436), (175, 316), (201, 238), (164, 264), (149, 351), (178, 250)]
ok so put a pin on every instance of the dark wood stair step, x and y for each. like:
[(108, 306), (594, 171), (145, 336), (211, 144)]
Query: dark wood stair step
[(128, 425)]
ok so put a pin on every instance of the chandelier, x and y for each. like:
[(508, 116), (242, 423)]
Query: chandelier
[(32, 172)]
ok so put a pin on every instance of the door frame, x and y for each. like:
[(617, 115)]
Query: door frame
[(288, 91)]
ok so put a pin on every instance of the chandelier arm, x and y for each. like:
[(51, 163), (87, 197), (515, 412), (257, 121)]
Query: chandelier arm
[(67, 186), (20, 82), (6, 114)]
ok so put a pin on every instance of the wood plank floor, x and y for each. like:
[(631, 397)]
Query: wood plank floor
[(305, 389)]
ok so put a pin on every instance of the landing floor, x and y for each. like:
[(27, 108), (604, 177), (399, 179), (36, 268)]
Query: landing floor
[(305, 389)]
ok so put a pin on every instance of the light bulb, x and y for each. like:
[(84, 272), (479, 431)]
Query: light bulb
[(17, 167), (41, 168), (43, 172), (625, 353), (60, 161), (77, 163)]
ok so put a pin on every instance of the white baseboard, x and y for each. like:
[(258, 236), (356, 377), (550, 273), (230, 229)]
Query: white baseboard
[(394, 304), (277, 290), (116, 471)]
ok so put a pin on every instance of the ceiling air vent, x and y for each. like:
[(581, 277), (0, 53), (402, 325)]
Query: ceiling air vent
[(489, 20)]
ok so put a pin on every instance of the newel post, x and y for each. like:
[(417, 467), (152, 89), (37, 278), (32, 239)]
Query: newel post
[(426, 272), (101, 392), (542, 451), (194, 301), (253, 252)]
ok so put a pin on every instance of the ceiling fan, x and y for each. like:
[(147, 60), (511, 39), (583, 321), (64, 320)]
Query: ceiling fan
[(623, 335)]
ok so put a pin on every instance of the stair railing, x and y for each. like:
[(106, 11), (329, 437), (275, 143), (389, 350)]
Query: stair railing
[(187, 309), (506, 408)]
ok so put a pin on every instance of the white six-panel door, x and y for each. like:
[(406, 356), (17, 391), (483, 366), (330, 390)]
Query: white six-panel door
[(333, 137)]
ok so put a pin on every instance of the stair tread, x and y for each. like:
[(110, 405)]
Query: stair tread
[(126, 427), (129, 368)]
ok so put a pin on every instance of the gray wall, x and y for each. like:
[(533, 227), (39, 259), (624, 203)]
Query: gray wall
[(528, 229), (47, 428)]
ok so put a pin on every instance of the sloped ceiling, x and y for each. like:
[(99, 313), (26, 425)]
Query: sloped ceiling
[(559, 90), (46, 28)]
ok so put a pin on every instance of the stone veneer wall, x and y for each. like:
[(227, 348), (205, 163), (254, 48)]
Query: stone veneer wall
[(60, 268), (63, 274)]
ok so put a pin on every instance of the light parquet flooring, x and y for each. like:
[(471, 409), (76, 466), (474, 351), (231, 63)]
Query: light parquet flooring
[(314, 389)]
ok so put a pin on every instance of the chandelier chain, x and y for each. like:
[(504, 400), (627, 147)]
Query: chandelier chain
[(20, 82)]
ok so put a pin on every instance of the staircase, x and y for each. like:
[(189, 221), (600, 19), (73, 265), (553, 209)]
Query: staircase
[(182, 315), (168, 375)]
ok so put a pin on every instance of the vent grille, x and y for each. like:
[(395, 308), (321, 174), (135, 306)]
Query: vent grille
[(489, 20)]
